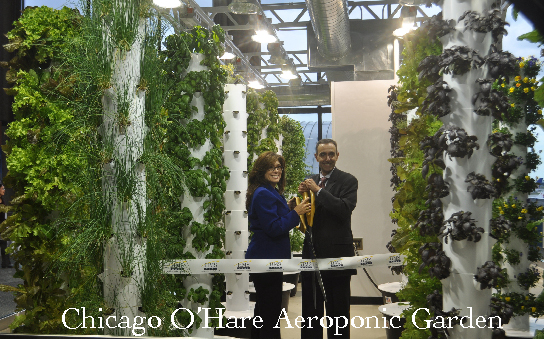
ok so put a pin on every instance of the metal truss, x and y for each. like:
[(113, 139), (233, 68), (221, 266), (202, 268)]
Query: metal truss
[(274, 16), (383, 9)]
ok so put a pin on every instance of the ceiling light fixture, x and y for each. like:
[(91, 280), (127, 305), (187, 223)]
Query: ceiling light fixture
[(288, 74), (408, 18), (243, 7), (263, 37), (255, 84), (167, 3), (227, 56)]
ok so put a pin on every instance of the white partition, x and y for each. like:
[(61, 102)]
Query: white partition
[(360, 126)]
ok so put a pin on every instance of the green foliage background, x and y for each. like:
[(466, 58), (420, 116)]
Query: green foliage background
[(60, 219), (409, 199)]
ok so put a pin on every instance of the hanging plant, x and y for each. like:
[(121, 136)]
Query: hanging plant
[(525, 184), (438, 101), (526, 139), (491, 102), (500, 143), (492, 22), (528, 278), (500, 227), (501, 309), (432, 254), (429, 68), (458, 60), (488, 275), (436, 27), (501, 64), (479, 187), (502, 169), (461, 226)]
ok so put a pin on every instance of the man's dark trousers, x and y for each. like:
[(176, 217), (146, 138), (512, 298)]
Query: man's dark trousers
[(335, 289)]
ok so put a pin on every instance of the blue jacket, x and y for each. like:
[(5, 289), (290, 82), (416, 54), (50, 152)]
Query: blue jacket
[(270, 220)]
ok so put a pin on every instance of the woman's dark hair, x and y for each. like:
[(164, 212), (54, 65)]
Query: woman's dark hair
[(264, 162)]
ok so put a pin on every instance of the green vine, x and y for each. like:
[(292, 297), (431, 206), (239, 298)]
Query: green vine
[(56, 154), (411, 195), (293, 150)]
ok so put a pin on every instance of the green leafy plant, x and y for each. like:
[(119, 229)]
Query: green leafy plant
[(410, 186)]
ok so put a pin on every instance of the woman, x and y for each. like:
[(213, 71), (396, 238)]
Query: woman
[(271, 219), (3, 243)]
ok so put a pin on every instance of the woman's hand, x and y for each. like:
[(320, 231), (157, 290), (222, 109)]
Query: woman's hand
[(292, 203), (304, 207)]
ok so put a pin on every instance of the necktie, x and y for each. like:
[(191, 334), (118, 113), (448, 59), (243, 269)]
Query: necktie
[(322, 182)]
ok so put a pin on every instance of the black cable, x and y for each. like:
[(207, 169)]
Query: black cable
[(372, 281)]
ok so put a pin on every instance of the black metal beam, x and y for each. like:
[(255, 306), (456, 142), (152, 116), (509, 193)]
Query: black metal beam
[(303, 110)]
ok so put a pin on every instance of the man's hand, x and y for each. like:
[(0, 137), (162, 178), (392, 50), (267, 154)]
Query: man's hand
[(310, 185), (302, 187)]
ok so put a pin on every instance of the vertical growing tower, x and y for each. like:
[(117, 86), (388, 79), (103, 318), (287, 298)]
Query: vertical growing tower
[(123, 132), (463, 76)]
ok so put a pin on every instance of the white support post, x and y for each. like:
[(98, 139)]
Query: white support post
[(460, 290), (196, 206), (236, 223), (124, 128)]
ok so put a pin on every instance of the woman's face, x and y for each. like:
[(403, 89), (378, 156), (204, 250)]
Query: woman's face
[(273, 174), (2, 190)]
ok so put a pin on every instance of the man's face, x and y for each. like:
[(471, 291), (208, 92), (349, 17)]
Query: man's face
[(326, 157)]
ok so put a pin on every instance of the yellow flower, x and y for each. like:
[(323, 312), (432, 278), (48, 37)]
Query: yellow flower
[(501, 212), (520, 218), (522, 307), (502, 85), (507, 298), (526, 297), (539, 111), (526, 90), (533, 88), (540, 208), (505, 205), (518, 78), (527, 177), (513, 105), (525, 79), (511, 89), (524, 210), (514, 206), (521, 64), (518, 84), (533, 80), (533, 309)]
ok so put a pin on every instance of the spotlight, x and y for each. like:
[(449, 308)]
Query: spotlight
[(263, 37), (255, 84), (167, 3)]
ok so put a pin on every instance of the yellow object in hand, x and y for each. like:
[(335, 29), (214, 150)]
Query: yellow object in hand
[(312, 212), (302, 227), (305, 195)]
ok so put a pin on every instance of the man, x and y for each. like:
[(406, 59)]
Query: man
[(331, 237)]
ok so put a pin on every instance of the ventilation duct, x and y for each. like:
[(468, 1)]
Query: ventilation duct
[(331, 26)]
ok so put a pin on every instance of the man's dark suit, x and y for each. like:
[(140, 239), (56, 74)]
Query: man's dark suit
[(332, 238)]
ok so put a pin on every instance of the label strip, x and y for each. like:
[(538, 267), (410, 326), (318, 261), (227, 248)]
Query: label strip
[(203, 266)]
